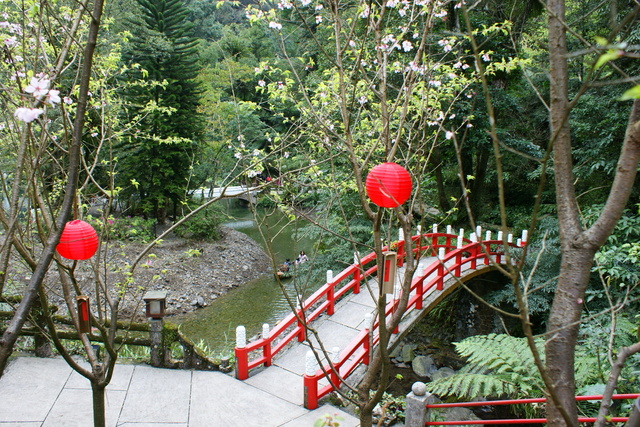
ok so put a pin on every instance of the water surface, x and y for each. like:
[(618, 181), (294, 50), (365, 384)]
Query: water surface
[(259, 301)]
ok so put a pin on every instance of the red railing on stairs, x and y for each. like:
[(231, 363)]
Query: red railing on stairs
[(452, 260)]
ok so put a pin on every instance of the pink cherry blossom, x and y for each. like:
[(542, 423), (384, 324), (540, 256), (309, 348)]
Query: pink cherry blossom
[(38, 87)]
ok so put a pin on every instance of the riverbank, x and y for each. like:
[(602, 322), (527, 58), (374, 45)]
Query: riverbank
[(193, 273), (196, 273)]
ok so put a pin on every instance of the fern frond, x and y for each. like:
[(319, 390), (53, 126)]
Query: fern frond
[(469, 386)]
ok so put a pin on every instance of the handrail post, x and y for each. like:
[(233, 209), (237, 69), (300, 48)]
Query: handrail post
[(302, 333), (357, 275), (416, 411), (401, 247), (310, 382), (335, 360), (440, 283), (487, 259), (331, 299), (474, 251), (241, 353), (457, 269), (419, 292), (366, 345), (266, 349)]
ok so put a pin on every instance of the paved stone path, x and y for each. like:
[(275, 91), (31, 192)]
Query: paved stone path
[(48, 393)]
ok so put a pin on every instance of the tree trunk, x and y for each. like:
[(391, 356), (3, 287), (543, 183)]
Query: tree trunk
[(562, 330), (9, 337), (99, 418)]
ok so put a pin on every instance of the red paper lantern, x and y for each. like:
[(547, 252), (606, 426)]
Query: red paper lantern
[(78, 240), (388, 185)]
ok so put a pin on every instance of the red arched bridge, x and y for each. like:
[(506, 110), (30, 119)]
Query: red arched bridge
[(341, 314)]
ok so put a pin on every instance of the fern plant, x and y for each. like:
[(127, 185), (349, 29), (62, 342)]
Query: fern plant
[(497, 365)]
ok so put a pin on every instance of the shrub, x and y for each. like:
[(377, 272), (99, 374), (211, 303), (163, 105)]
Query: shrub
[(203, 225), (130, 228)]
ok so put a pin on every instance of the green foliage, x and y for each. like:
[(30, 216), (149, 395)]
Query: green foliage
[(203, 225), (540, 272), (328, 420), (163, 99), (592, 367), (128, 229), (618, 260), (497, 366), (332, 247)]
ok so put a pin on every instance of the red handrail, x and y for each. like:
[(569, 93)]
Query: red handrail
[(519, 402), (324, 299), (474, 251), (291, 326)]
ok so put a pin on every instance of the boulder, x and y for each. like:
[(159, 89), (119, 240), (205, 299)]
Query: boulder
[(442, 373), (423, 366), (407, 352)]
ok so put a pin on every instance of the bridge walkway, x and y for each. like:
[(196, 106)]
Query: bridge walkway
[(284, 378)]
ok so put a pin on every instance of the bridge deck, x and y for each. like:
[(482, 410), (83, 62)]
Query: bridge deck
[(284, 377)]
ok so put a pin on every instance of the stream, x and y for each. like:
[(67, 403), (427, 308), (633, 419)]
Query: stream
[(258, 301)]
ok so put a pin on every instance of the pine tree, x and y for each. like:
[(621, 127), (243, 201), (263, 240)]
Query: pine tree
[(163, 93)]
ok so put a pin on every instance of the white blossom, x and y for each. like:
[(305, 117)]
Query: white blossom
[(448, 134), (11, 41), (486, 57), (262, 83), (441, 14), (67, 100), (407, 46), (38, 87), (365, 13), (53, 97), (318, 19), (275, 25), (27, 115), (362, 100)]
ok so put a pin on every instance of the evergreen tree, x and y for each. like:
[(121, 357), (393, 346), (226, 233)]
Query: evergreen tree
[(164, 97)]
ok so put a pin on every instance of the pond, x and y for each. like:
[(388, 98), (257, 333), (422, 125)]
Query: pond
[(259, 301)]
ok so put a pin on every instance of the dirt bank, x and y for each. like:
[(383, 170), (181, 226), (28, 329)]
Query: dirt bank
[(194, 273)]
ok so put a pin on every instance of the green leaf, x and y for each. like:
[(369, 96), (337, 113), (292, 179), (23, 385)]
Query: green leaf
[(633, 93), (601, 41), (606, 57)]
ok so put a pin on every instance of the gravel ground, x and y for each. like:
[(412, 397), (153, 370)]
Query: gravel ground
[(194, 273)]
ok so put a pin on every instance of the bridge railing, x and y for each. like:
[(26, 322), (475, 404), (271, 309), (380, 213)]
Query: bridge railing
[(321, 301), (419, 408), (452, 260), (464, 252)]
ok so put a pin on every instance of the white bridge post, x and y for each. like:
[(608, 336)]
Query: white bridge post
[(241, 337)]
